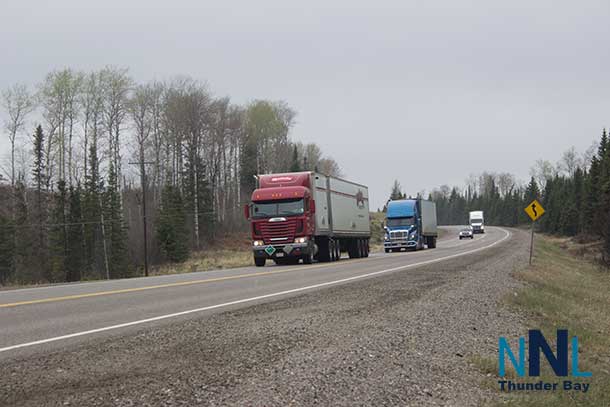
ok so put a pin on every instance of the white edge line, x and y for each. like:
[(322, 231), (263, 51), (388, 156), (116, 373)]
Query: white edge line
[(251, 299)]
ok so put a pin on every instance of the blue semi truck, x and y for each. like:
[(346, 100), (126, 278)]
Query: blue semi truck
[(410, 224)]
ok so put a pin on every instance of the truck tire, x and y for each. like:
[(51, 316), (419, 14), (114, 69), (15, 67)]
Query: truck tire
[(432, 242), (324, 252), (361, 251), (387, 250), (308, 258), (366, 248), (352, 248), (338, 249), (259, 261)]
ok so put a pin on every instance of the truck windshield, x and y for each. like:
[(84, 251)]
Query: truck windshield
[(393, 222), (277, 208), (476, 220)]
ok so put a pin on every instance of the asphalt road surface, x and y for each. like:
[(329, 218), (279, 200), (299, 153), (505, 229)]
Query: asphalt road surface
[(44, 328)]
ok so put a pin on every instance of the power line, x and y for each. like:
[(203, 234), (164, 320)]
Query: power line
[(95, 222)]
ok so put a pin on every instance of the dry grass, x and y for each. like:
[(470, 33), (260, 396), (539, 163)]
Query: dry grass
[(566, 291), (226, 252)]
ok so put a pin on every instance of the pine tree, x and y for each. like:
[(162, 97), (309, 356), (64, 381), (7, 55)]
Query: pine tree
[(58, 243), (248, 167), (396, 192), (91, 214), (295, 166), (38, 171), (116, 233), (171, 227), (532, 191), (7, 249), (75, 254)]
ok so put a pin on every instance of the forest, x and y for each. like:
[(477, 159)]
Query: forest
[(575, 193), (92, 152)]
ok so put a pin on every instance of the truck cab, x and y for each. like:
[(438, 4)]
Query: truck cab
[(477, 221), (301, 215), (410, 224), (282, 220)]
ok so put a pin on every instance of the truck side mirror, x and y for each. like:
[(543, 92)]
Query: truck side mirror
[(247, 211)]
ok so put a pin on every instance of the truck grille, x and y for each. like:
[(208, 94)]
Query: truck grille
[(398, 235), (278, 232)]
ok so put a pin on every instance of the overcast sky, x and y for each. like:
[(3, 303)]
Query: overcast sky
[(423, 91)]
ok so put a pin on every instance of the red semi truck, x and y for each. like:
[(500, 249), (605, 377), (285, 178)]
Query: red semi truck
[(307, 215)]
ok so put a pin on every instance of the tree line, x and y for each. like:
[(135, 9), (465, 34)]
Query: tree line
[(575, 193), (85, 146)]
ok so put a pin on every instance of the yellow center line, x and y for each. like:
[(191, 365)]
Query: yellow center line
[(178, 284)]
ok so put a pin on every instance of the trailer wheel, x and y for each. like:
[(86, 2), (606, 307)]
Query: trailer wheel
[(259, 261), (333, 250), (432, 242), (351, 248), (337, 250), (366, 248), (324, 252)]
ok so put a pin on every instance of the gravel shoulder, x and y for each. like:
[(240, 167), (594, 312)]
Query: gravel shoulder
[(405, 338)]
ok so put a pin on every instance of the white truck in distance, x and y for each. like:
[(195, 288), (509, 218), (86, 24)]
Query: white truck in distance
[(477, 222)]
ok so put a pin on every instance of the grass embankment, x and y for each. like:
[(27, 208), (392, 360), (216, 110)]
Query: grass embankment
[(228, 252), (563, 290)]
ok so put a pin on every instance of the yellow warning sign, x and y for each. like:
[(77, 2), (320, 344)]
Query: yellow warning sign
[(534, 210)]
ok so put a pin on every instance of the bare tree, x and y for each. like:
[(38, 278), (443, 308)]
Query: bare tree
[(59, 96), (116, 84), (18, 103), (569, 162), (588, 155), (329, 166), (91, 107), (506, 183), (542, 171)]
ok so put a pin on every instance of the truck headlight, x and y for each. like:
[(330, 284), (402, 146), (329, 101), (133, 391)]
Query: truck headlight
[(300, 239), (257, 243), (412, 236), (386, 237)]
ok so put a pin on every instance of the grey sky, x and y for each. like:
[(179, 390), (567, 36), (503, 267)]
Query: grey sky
[(423, 91)]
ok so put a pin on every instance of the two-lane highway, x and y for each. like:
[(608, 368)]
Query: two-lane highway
[(40, 319)]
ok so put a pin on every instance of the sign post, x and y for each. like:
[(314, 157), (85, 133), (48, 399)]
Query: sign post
[(534, 210)]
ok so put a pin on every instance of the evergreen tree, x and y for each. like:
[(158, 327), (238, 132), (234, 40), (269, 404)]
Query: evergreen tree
[(7, 249), (396, 192), (295, 166), (116, 233), (38, 174), (591, 199), (249, 168), (171, 227), (58, 243), (91, 215), (75, 258), (532, 191)]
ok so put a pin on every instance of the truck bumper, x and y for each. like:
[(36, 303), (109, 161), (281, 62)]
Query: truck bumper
[(399, 244), (282, 251)]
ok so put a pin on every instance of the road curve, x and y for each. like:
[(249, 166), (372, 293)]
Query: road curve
[(38, 320)]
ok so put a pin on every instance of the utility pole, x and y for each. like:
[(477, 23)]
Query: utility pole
[(532, 242), (142, 165)]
